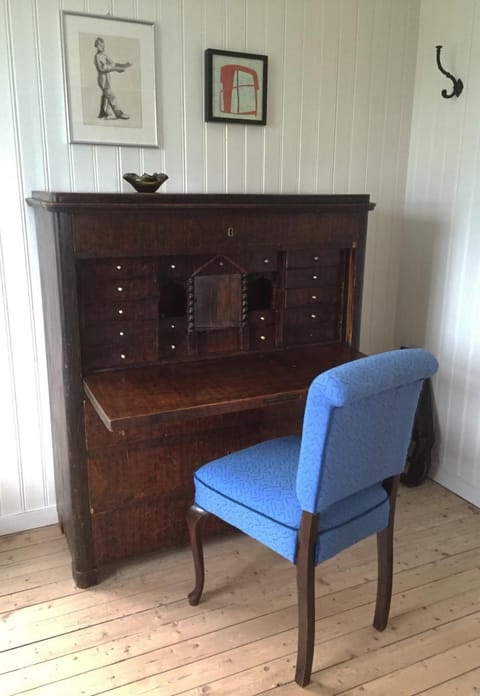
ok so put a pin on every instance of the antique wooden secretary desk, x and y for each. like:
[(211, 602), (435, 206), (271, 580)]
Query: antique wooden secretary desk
[(180, 327)]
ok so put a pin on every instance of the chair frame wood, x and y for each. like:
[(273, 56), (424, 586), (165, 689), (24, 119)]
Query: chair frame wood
[(305, 565)]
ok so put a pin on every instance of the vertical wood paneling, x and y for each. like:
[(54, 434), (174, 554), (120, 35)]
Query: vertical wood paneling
[(292, 95), (235, 133), (27, 466), (327, 104), (193, 27), (275, 50), (255, 137), (215, 133), (346, 83), (339, 101), (172, 114), (310, 95), (437, 306)]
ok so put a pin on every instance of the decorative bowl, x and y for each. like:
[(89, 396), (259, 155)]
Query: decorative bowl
[(145, 183)]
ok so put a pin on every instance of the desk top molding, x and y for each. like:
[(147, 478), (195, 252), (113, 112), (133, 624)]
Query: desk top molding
[(59, 200)]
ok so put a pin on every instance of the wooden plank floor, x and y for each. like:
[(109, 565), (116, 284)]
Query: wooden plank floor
[(135, 633)]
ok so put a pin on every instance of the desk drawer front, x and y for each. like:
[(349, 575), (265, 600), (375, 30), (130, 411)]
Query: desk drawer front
[(299, 297), (102, 357), (111, 269), (311, 324), (262, 338), (121, 311), (312, 277), (258, 260), (119, 334), (313, 258), (97, 291), (315, 333), (261, 317)]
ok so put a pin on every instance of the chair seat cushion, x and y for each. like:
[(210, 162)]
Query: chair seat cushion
[(254, 490)]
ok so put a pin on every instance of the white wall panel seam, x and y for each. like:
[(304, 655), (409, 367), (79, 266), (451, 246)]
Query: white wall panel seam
[(14, 102), (300, 112), (11, 377)]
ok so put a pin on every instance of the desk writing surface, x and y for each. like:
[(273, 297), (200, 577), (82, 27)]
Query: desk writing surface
[(173, 392)]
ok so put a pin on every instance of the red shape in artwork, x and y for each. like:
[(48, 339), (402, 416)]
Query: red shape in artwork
[(237, 94)]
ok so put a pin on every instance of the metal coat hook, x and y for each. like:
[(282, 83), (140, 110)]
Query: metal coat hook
[(457, 83)]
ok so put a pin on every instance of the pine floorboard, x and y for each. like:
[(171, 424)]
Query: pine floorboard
[(135, 633)]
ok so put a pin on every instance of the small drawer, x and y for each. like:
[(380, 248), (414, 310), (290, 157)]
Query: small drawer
[(121, 334), (320, 333), (262, 338), (172, 266), (142, 310), (261, 317), (172, 326), (298, 297), (119, 290), (259, 260), (312, 277), (312, 258), (102, 357), (173, 346), (115, 268), (310, 315)]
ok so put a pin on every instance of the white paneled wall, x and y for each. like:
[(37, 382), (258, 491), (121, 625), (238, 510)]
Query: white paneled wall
[(340, 88), (439, 296)]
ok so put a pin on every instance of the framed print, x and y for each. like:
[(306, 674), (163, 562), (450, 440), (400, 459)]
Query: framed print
[(235, 87), (109, 68)]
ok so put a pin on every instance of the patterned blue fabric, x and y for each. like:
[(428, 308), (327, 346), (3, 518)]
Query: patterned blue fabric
[(357, 427), (358, 423)]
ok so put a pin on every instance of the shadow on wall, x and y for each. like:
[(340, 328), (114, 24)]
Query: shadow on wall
[(423, 241), (421, 249)]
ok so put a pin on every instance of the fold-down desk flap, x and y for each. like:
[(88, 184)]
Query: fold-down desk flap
[(175, 392)]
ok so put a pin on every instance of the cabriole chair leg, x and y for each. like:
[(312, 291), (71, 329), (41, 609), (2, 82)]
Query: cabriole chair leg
[(196, 518), (385, 561), (306, 597)]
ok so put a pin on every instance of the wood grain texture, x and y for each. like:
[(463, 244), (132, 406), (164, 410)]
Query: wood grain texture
[(136, 633), (339, 107)]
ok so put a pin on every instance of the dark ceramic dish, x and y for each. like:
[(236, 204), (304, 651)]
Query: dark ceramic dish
[(145, 183)]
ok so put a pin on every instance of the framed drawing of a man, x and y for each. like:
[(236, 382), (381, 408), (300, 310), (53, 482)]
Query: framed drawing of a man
[(109, 67)]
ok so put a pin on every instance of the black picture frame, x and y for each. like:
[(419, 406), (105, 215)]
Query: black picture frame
[(236, 87)]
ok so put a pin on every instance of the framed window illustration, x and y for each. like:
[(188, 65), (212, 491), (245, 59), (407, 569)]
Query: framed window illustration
[(235, 87), (109, 68)]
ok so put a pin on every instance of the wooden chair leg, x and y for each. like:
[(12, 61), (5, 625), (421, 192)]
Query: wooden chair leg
[(306, 597), (385, 561), (196, 518)]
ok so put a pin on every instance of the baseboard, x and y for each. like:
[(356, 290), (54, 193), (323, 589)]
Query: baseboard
[(28, 520), (457, 485)]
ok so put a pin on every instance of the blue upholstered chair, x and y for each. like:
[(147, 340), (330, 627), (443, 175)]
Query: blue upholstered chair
[(309, 498)]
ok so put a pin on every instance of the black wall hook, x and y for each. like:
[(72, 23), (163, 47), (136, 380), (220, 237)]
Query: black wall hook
[(457, 83)]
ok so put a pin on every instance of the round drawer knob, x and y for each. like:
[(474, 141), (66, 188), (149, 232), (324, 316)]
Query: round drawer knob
[(172, 326), (220, 263), (266, 260), (120, 289), (120, 311), (173, 346), (119, 267), (263, 338), (314, 297), (315, 258), (172, 266), (315, 277), (123, 356), (121, 333), (262, 318), (313, 316)]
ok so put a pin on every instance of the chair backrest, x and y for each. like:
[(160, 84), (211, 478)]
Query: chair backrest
[(358, 423)]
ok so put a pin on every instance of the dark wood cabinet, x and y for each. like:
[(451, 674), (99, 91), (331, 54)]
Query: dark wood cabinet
[(180, 327)]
